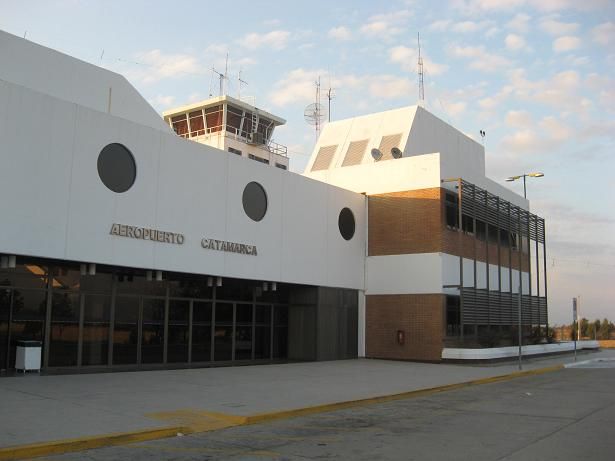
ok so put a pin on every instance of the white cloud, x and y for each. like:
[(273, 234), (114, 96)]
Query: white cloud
[(520, 119), (276, 39), (154, 65), (520, 23), (556, 130), (514, 42), (472, 7), (390, 87), (560, 91), (566, 43), (162, 102), (557, 28), (456, 108), (407, 59), (440, 25), (340, 33), (297, 86), (491, 32), (560, 5), (465, 26), (543, 138), (481, 59), (386, 25), (604, 33)]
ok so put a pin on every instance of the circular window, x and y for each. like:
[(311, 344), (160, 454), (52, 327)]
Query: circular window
[(255, 201), (116, 167), (346, 223)]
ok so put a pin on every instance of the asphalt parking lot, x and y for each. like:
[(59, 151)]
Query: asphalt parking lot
[(563, 415)]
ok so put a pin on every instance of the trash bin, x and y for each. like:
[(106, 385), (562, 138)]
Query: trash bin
[(28, 356)]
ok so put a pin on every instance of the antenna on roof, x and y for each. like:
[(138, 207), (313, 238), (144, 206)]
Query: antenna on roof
[(314, 113), (330, 96), (222, 77), (239, 83), (421, 73)]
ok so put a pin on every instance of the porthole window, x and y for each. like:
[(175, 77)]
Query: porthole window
[(346, 223), (117, 168), (254, 201)]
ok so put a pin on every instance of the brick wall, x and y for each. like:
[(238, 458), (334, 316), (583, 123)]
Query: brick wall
[(421, 317), (406, 222), (412, 222)]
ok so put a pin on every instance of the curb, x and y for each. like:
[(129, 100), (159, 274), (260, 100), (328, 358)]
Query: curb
[(85, 443), (193, 426), (253, 419), (586, 362)]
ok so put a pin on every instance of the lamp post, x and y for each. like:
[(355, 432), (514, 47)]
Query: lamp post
[(520, 332), (525, 175)]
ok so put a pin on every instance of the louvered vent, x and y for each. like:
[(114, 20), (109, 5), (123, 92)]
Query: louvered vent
[(387, 143), (324, 158), (355, 152)]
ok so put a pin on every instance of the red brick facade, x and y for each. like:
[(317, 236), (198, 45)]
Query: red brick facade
[(419, 317), (413, 222)]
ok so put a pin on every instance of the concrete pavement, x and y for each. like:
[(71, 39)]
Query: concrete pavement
[(39, 409), (568, 414)]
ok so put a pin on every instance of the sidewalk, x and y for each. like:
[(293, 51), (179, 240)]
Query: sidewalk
[(36, 409)]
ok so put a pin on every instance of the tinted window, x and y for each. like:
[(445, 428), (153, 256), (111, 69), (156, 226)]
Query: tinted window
[(117, 168), (346, 223), (255, 201)]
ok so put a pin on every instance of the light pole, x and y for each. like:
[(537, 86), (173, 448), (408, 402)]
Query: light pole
[(520, 332), (525, 175)]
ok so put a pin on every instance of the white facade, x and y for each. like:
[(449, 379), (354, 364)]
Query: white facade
[(57, 114), (55, 205)]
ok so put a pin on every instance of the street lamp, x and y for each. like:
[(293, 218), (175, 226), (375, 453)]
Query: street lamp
[(520, 333), (531, 175)]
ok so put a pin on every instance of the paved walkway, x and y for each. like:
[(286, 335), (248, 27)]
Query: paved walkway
[(37, 408)]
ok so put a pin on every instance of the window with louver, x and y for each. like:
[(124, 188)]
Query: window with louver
[(387, 143), (324, 158), (355, 152)]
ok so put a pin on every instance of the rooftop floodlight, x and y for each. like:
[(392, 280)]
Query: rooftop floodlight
[(525, 175)]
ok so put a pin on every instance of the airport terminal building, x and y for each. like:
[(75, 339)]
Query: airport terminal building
[(125, 244)]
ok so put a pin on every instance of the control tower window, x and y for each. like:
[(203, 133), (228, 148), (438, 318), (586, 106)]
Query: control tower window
[(213, 116), (233, 119), (197, 125), (180, 125)]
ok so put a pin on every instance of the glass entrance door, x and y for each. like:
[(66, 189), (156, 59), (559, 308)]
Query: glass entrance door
[(152, 330)]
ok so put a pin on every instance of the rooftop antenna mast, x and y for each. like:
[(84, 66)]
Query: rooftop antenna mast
[(239, 83), (330, 96), (314, 113), (421, 74), (222, 77)]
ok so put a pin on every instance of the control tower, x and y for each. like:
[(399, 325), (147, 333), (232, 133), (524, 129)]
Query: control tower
[(232, 125)]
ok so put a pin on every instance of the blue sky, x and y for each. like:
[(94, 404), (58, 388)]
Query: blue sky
[(536, 75)]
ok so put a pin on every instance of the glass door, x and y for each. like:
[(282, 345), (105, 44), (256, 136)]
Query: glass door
[(201, 331), (152, 330), (126, 330), (178, 331)]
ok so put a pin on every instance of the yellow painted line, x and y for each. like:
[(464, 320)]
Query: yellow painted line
[(253, 419), (190, 421), (85, 443)]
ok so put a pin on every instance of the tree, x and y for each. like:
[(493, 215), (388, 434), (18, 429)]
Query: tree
[(584, 328)]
